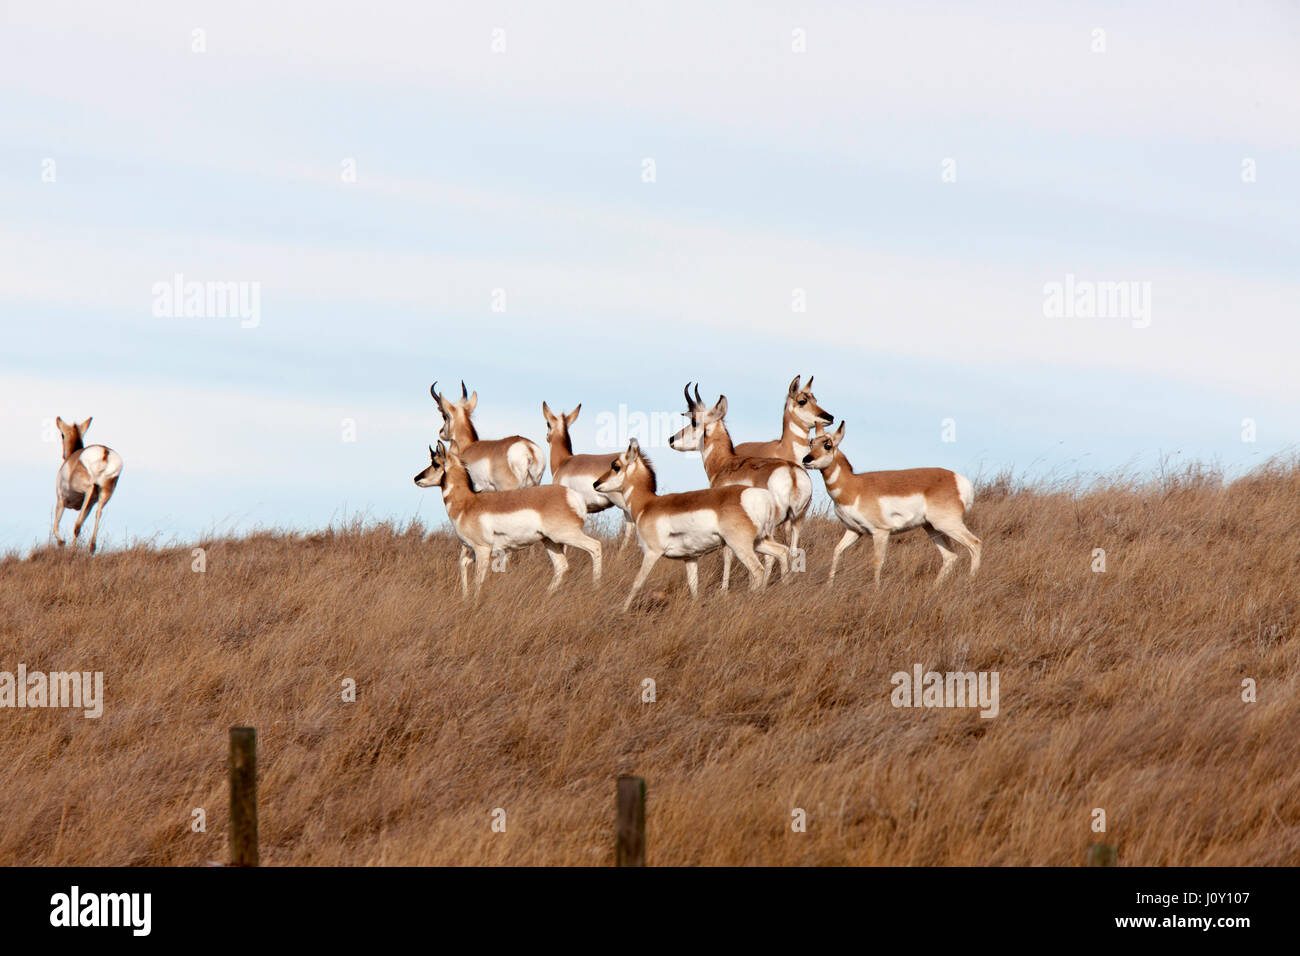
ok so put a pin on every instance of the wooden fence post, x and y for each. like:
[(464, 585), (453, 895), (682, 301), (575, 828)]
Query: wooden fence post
[(629, 827), (1102, 854), (243, 796)]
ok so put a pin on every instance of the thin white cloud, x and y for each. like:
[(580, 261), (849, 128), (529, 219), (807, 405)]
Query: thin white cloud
[(696, 278), (1169, 69)]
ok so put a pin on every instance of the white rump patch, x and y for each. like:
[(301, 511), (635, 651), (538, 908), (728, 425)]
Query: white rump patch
[(762, 508)]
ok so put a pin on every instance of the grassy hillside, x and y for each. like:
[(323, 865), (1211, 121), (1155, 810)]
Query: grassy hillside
[(1119, 690)]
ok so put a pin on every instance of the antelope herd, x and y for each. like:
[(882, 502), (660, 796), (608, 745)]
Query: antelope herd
[(494, 497), (493, 492)]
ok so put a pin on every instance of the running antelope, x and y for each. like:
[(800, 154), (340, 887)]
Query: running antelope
[(724, 465), (580, 472), (801, 413), (506, 521), (881, 503), (500, 464), (693, 523), (88, 475)]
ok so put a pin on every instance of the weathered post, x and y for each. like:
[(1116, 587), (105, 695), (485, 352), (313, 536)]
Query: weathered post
[(243, 796), (630, 824)]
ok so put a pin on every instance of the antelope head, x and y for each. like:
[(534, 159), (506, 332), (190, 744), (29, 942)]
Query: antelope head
[(557, 426), (455, 411), (802, 404), (701, 417), (821, 450), (436, 473), (623, 470), (72, 435)]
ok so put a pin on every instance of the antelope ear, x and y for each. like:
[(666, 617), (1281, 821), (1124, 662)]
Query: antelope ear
[(430, 453), (838, 436), (820, 432), (85, 426), (60, 423), (633, 449), (808, 384), (720, 409), (572, 417), (547, 413), (794, 386), (442, 450), (473, 401)]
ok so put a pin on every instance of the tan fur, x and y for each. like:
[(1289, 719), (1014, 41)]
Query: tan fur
[(506, 521), (707, 432), (499, 464), (859, 503), (581, 471), (721, 508), (87, 477), (800, 413)]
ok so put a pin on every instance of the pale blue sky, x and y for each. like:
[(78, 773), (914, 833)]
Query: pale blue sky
[(522, 170)]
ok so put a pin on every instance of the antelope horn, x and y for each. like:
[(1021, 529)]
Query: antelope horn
[(687, 392), (433, 390), (464, 392), (698, 400)]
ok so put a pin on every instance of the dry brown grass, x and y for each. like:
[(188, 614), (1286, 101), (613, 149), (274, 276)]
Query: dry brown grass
[(1119, 690)]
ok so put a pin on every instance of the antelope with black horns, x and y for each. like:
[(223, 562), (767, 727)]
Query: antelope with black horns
[(499, 464), (707, 433)]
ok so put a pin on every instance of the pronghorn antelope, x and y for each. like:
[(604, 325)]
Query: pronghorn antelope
[(506, 521), (707, 432), (580, 472), (801, 413), (87, 475), (881, 503), (693, 523), (500, 464)]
